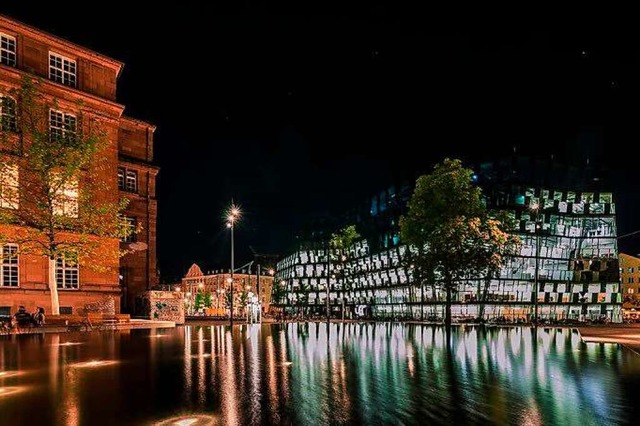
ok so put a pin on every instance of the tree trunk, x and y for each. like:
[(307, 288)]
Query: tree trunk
[(53, 288), (447, 318)]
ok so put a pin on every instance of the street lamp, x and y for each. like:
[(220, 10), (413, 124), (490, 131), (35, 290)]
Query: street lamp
[(233, 215), (535, 208)]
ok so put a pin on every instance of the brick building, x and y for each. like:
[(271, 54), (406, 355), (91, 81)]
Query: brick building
[(630, 278), (218, 285), (78, 78)]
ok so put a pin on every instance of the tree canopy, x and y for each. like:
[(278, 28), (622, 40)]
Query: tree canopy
[(450, 233)]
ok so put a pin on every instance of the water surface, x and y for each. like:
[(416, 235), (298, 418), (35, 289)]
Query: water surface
[(304, 374)]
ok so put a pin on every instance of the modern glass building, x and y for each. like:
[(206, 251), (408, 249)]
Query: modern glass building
[(567, 267)]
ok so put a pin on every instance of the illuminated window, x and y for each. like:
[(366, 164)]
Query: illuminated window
[(7, 50), (9, 194), (62, 70), (65, 200), (630, 290), (7, 114), (67, 272), (131, 183), (61, 125), (121, 174), (132, 224), (9, 266)]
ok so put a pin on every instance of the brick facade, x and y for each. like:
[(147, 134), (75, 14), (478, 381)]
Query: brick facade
[(130, 145)]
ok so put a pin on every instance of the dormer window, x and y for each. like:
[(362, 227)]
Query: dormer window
[(7, 50), (62, 69)]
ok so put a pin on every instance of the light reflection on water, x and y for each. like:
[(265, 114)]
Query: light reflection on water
[(303, 374)]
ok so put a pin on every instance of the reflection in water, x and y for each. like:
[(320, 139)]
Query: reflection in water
[(310, 374), (93, 364), (189, 420)]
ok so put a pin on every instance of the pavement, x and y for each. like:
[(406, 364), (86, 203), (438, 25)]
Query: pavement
[(134, 323), (624, 334)]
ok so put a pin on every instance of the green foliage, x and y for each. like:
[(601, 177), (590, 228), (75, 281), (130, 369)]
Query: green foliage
[(208, 299), (450, 233), (340, 244), (342, 240), (243, 298), (55, 161), (278, 292), (199, 301)]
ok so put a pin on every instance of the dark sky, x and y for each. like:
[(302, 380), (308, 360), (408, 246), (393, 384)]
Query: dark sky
[(290, 111)]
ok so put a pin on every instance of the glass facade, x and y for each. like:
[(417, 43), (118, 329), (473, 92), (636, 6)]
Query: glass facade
[(569, 235)]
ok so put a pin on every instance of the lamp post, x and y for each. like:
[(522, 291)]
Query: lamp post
[(535, 208), (233, 215)]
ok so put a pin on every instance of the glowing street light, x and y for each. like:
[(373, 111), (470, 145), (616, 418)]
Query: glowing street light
[(534, 207), (233, 215)]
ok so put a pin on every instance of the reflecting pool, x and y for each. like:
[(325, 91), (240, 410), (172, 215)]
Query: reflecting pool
[(306, 374)]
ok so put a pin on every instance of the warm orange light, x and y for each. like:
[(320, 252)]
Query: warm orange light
[(10, 390), (192, 420), (93, 364)]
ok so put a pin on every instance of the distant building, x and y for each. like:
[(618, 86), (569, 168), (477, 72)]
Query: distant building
[(571, 237), (217, 286), (80, 78), (630, 279)]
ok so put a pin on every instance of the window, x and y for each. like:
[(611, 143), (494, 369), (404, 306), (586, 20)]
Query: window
[(9, 194), (630, 280), (67, 272), (132, 181), (7, 114), (121, 174), (630, 290), (62, 70), (61, 124), (132, 224), (9, 266), (7, 50), (65, 201), (127, 179)]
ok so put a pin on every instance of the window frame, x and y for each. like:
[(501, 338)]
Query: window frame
[(7, 51), (4, 265), (121, 178), (61, 125), (132, 222), (15, 202), (65, 74), (68, 204), (13, 116), (61, 271), (134, 174)]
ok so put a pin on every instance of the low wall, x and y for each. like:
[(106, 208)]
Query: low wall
[(163, 306)]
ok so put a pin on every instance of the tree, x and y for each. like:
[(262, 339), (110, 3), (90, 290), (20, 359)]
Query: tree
[(341, 244), (451, 234), (278, 292), (58, 204), (208, 299), (199, 301), (243, 299)]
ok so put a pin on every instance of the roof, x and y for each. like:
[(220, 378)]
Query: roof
[(23, 28)]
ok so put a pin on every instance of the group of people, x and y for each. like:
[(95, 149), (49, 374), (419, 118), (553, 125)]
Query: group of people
[(22, 318)]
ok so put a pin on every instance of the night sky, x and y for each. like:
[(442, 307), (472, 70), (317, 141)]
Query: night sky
[(293, 112)]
